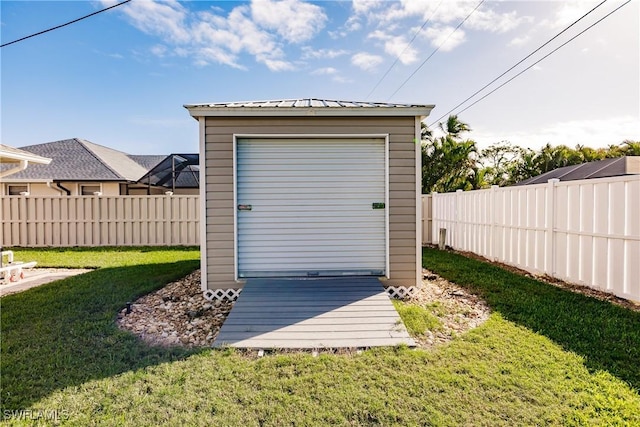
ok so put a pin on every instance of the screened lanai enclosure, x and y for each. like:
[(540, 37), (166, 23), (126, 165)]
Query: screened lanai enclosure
[(177, 173)]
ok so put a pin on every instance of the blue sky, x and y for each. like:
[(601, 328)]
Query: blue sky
[(121, 78)]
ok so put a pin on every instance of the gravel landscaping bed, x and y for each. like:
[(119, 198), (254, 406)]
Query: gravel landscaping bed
[(177, 314)]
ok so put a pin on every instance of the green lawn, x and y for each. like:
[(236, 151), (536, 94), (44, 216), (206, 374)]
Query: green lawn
[(545, 357)]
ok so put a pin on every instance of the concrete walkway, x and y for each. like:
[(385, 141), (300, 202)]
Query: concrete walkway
[(38, 276), (313, 314)]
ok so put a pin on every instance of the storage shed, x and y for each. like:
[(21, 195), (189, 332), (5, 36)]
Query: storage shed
[(309, 188)]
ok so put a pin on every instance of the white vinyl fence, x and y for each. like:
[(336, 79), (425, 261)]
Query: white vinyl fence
[(585, 232), (35, 221)]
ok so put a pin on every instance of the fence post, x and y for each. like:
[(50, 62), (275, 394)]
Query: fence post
[(442, 239), (96, 218), (458, 214), (433, 217), (168, 217), (550, 223)]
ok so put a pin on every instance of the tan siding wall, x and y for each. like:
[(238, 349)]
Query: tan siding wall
[(219, 171), (41, 189)]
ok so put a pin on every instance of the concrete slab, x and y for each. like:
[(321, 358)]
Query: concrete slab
[(37, 277)]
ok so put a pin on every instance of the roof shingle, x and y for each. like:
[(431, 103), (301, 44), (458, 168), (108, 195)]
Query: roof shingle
[(80, 160)]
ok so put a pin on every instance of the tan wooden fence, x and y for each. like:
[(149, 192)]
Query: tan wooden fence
[(585, 232), (35, 221), (427, 219)]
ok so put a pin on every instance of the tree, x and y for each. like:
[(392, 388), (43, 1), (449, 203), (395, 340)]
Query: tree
[(630, 148), (499, 162), (454, 126), (447, 161), (450, 163)]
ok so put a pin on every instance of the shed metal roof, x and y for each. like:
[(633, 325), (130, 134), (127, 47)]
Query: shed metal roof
[(307, 106), (629, 165)]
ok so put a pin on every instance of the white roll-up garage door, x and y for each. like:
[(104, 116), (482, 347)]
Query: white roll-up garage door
[(311, 207)]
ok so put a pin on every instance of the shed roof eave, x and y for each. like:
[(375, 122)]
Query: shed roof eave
[(203, 110)]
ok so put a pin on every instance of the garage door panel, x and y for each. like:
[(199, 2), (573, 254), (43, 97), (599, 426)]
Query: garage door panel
[(311, 207)]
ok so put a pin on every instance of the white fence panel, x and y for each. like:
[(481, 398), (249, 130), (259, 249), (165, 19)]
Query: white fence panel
[(585, 232), (34, 221)]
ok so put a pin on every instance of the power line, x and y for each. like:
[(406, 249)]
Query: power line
[(519, 62), (65, 24), (436, 49), (405, 49), (547, 55)]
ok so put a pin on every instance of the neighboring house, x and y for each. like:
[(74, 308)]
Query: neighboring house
[(628, 165), (79, 167), (308, 188), (15, 160)]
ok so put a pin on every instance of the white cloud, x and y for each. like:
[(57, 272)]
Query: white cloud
[(489, 20), (570, 10), (444, 37), (365, 6), (294, 20), (442, 18), (341, 79), (276, 64), (324, 71), (352, 24), (310, 53), (396, 46), (165, 18), (595, 133), (366, 61), (159, 50), (519, 41), (259, 29), (219, 39)]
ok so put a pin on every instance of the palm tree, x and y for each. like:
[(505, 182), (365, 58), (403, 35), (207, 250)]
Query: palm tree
[(631, 148), (454, 126), (447, 164)]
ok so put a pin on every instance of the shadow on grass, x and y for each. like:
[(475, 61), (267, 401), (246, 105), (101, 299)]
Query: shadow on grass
[(63, 334), (606, 335)]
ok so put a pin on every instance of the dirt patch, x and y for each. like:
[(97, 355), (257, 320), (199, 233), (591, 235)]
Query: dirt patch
[(456, 309)]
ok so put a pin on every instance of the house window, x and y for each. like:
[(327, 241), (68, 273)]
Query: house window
[(15, 190), (88, 190)]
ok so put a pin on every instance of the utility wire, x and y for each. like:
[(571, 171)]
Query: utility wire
[(65, 24), (405, 49), (520, 62), (436, 49), (544, 57)]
